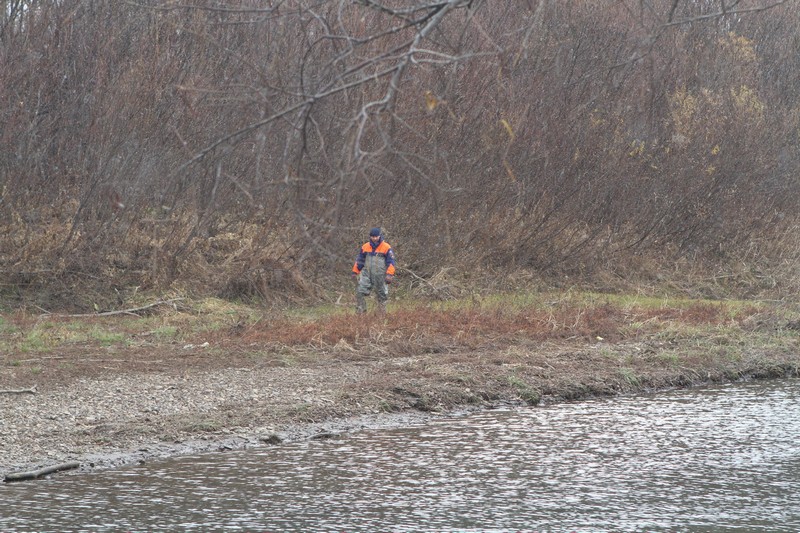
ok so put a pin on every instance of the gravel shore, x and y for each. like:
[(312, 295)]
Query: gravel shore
[(104, 423), (123, 417)]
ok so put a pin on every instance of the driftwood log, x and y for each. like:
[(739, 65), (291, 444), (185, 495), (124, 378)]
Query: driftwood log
[(34, 474)]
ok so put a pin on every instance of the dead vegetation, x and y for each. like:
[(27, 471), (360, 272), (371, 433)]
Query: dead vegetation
[(458, 339), (240, 153)]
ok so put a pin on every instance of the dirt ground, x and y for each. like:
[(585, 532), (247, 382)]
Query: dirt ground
[(108, 406)]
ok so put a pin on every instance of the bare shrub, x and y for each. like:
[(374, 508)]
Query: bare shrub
[(559, 137)]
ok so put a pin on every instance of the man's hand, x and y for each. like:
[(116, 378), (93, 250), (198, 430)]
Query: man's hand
[(389, 278), (354, 276)]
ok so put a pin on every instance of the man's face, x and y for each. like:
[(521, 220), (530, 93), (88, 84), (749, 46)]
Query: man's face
[(374, 238)]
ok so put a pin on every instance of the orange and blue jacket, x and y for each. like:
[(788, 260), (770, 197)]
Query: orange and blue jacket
[(381, 250)]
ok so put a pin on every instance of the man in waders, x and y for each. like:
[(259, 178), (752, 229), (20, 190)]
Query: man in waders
[(374, 269)]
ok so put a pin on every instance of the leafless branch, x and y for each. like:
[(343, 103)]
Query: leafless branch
[(724, 11), (131, 311)]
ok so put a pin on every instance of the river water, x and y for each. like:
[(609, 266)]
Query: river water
[(716, 459)]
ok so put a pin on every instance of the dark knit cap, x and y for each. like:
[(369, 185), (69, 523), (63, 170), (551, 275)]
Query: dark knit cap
[(375, 232)]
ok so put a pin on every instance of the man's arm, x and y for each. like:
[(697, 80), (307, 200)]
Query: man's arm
[(390, 263)]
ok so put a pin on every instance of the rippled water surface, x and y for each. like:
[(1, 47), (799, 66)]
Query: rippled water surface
[(719, 459)]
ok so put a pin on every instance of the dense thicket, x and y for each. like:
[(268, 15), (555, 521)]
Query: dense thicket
[(244, 147)]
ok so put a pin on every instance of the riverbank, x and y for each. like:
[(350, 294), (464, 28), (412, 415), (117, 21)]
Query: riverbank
[(137, 389)]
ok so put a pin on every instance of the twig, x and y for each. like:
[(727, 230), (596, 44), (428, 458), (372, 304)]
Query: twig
[(22, 476), (417, 276), (131, 311), (52, 357), (32, 390)]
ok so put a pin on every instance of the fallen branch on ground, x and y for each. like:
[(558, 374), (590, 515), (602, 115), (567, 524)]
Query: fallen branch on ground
[(131, 311), (32, 390), (34, 474)]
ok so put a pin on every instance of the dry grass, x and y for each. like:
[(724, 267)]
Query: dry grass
[(409, 325), (421, 355), (475, 326)]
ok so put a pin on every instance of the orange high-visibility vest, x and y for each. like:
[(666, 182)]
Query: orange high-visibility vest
[(383, 250)]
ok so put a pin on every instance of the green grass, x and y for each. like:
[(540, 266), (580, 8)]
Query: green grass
[(36, 341), (629, 376), (165, 332), (670, 357), (107, 338), (528, 394)]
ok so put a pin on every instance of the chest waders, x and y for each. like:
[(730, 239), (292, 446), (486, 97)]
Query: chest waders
[(373, 276)]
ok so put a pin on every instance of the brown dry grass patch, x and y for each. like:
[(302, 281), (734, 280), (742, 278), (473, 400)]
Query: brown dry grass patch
[(473, 326)]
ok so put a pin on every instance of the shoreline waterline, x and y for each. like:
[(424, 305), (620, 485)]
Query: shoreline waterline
[(129, 434)]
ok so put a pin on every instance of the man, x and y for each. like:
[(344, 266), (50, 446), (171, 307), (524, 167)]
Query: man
[(374, 269)]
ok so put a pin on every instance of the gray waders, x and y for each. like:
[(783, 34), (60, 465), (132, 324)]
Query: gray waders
[(373, 276)]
